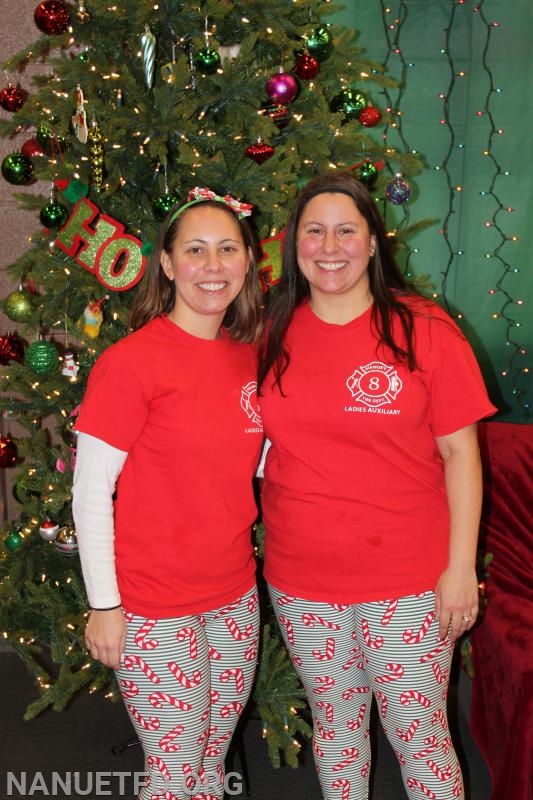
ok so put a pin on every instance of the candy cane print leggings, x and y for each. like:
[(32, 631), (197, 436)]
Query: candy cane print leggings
[(343, 654), (185, 682)]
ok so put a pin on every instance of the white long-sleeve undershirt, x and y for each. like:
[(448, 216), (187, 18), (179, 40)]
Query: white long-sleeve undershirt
[(98, 466)]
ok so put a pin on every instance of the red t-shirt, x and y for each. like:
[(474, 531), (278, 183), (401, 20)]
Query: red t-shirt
[(185, 409), (354, 500)]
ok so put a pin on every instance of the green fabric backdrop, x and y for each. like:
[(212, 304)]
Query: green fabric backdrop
[(476, 270)]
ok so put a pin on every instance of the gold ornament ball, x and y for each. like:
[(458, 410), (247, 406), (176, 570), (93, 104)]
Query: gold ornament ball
[(18, 306)]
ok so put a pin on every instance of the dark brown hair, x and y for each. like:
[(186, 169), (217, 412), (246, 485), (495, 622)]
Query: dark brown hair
[(387, 283), (157, 294)]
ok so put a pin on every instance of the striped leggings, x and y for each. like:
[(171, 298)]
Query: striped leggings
[(344, 654), (185, 682)]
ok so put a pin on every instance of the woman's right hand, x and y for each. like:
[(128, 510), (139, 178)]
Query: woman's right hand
[(105, 636)]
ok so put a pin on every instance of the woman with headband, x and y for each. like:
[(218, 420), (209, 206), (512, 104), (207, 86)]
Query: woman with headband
[(170, 570)]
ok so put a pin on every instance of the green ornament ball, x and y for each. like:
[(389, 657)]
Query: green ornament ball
[(18, 306), (162, 205), (13, 541), (43, 134), (18, 169), (368, 174), (53, 215), (350, 102), (207, 60), (42, 357), (318, 43)]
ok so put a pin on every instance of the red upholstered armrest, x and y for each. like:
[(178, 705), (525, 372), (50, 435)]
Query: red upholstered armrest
[(502, 643), (507, 519)]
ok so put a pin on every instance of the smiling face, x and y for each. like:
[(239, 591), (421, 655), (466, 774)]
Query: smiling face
[(334, 245), (208, 264)]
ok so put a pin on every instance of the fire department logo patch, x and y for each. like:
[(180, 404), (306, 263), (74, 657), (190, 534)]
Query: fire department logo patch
[(249, 403), (376, 384)]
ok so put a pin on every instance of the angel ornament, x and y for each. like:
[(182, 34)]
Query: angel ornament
[(79, 120)]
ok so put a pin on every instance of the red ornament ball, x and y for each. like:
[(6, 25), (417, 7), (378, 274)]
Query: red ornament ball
[(32, 148), (259, 152), (370, 116), (306, 67), (48, 530), (282, 88), (52, 17), (11, 349), (8, 452), (11, 98)]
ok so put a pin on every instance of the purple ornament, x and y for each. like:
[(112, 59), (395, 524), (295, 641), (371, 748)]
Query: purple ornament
[(398, 190), (282, 88)]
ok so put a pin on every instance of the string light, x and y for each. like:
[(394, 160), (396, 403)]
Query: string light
[(514, 370), (397, 68)]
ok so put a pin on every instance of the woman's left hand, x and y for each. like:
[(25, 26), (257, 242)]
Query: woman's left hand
[(456, 602)]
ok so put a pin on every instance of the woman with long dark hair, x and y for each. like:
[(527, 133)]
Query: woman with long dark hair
[(371, 501)]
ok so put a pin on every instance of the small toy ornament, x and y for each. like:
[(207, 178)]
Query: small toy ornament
[(398, 191), (52, 17), (11, 349), (69, 369), (350, 102), (82, 15), (66, 541), (18, 169), (306, 66), (259, 152), (13, 540), (370, 116), (93, 316), (229, 52), (318, 43), (282, 88), (79, 120), (8, 451), (148, 55), (18, 306), (48, 530), (11, 98), (42, 357)]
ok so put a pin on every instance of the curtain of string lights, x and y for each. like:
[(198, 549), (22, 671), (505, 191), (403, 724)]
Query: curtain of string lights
[(463, 36)]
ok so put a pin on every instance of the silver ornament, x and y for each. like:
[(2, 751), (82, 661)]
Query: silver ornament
[(148, 55), (66, 541), (48, 530)]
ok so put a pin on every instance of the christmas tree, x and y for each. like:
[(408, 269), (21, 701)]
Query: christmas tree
[(138, 103)]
